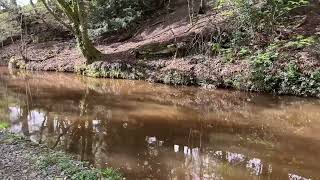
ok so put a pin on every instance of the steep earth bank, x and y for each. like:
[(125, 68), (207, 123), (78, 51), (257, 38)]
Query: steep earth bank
[(169, 49)]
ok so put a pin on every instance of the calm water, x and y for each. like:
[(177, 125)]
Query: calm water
[(153, 131)]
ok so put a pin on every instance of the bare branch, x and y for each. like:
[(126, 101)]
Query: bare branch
[(56, 16)]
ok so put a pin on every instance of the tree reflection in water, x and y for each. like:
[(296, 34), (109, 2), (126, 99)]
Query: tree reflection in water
[(161, 132), (182, 158)]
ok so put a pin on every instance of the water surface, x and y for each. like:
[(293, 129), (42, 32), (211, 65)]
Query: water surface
[(154, 131)]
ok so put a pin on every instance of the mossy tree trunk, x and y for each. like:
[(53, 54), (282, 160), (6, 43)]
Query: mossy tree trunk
[(74, 10), (81, 33)]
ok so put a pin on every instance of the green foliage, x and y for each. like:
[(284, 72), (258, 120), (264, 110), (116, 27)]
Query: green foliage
[(292, 81), (287, 80), (67, 166), (244, 51), (12, 138), (111, 174), (75, 170), (9, 26), (177, 77), (251, 18), (10, 21), (279, 9), (219, 4), (50, 160), (3, 125), (230, 54), (113, 70), (275, 11), (59, 159), (261, 63), (114, 15), (226, 53), (216, 48), (292, 71), (227, 13), (245, 21), (264, 59), (86, 175), (237, 82), (300, 42), (107, 173), (111, 15)]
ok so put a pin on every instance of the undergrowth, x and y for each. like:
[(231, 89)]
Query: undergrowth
[(276, 68), (74, 169)]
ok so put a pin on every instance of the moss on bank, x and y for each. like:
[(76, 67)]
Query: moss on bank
[(116, 70)]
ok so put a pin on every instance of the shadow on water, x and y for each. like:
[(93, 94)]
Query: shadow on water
[(164, 132)]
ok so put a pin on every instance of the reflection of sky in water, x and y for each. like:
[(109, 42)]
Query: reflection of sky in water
[(195, 153), (234, 158), (97, 126), (151, 140), (15, 113), (296, 177), (186, 150), (35, 120), (205, 165), (176, 148), (255, 166), (194, 158), (218, 154), (148, 129)]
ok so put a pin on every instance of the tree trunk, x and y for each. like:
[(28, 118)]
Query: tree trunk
[(75, 12), (87, 48), (85, 44), (202, 8)]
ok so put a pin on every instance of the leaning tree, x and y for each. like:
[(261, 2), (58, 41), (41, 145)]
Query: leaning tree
[(76, 16)]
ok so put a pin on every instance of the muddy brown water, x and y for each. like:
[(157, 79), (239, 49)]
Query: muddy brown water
[(154, 131)]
